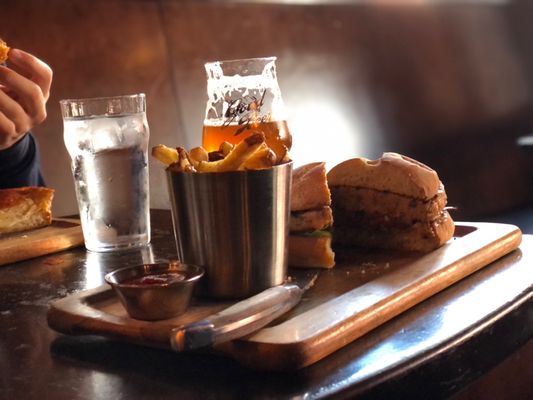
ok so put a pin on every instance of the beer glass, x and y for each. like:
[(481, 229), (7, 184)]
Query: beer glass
[(107, 139), (244, 97)]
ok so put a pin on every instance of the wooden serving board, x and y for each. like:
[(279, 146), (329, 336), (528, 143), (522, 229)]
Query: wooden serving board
[(61, 234), (365, 289)]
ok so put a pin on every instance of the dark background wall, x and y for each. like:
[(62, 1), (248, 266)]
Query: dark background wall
[(448, 83)]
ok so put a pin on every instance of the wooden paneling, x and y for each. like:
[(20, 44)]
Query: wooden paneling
[(96, 48), (447, 84), (316, 75), (360, 80)]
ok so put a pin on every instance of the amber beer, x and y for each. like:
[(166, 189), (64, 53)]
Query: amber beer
[(277, 135)]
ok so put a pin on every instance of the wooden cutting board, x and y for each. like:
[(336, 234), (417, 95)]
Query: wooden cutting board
[(365, 289), (61, 234)]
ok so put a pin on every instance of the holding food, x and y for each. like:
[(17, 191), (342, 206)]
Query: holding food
[(4, 51), (24, 91), (394, 202)]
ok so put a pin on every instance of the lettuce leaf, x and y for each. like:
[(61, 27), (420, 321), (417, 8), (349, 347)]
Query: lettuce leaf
[(318, 233)]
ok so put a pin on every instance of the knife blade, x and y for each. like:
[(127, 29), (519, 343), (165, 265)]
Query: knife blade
[(244, 317)]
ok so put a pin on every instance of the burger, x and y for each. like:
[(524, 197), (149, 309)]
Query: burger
[(311, 218), (393, 202)]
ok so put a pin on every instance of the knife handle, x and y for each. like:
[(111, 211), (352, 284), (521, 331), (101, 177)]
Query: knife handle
[(236, 321)]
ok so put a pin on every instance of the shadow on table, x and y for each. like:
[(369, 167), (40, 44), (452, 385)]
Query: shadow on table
[(198, 375)]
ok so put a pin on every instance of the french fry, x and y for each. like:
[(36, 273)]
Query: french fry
[(198, 154), (215, 155), (166, 155), (237, 156), (249, 154), (208, 166), (263, 158), (286, 156), (183, 164), (225, 148)]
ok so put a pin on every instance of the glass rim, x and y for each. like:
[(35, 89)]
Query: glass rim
[(104, 98), (235, 60), (110, 106)]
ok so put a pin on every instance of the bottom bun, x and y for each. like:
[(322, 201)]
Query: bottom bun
[(420, 236), (311, 251)]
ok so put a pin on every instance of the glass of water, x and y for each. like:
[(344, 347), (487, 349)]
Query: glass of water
[(107, 139)]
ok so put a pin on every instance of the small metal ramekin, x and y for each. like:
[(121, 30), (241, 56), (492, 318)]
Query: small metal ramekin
[(154, 301)]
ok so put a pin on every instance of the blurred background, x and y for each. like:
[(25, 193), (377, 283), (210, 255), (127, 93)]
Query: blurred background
[(449, 83)]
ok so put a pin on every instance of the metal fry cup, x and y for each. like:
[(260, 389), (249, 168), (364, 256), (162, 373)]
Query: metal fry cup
[(235, 225)]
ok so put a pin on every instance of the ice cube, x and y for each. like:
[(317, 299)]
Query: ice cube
[(105, 133), (133, 130)]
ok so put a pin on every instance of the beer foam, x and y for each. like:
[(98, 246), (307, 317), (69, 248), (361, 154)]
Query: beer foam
[(224, 90)]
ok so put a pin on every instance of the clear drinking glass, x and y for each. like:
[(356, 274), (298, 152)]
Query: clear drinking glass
[(244, 97), (107, 139)]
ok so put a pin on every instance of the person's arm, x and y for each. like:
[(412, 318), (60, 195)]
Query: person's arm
[(24, 91), (19, 164)]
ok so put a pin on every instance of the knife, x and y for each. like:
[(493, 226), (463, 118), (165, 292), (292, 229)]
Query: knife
[(244, 317)]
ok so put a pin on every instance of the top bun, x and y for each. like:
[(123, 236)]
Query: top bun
[(309, 187), (392, 172)]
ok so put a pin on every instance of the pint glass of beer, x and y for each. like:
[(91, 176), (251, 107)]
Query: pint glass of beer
[(244, 97)]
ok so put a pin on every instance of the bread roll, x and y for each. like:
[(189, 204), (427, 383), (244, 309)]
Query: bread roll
[(309, 187), (25, 208), (311, 251), (392, 172)]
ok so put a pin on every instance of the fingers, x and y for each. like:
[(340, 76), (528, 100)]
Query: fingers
[(33, 69), (20, 121), (8, 135), (14, 122), (24, 91), (28, 94)]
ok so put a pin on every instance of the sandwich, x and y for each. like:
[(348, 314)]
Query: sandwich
[(311, 217), (4, 50), (25, 208), (394, 202)]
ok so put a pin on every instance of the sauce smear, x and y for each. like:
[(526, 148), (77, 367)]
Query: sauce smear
[(157, 279)]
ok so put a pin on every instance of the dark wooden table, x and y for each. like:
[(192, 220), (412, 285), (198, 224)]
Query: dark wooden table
[(434, 350)]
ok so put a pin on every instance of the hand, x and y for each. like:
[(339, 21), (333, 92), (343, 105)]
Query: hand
[(24, 91)]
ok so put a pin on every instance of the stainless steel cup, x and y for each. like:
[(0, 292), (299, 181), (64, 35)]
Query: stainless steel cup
[(158, 299), (235, 225)]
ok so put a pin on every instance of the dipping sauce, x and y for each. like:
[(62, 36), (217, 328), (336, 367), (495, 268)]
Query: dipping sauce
[(156, 279)]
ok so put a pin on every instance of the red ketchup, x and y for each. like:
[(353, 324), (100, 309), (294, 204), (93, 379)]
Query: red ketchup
[(157, 279)]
